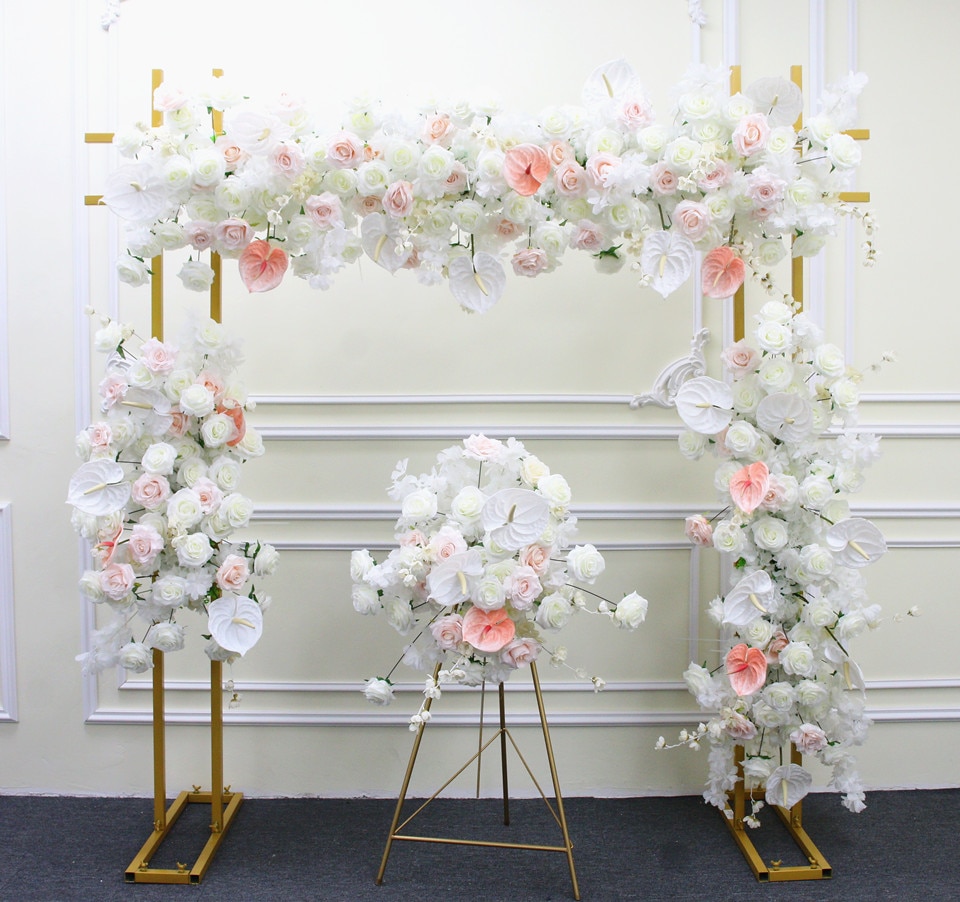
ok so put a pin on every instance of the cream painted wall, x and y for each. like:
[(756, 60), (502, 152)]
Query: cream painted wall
[(303, 727)]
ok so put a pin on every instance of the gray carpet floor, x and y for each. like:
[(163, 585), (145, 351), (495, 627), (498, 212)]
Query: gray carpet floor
[(905, 846)]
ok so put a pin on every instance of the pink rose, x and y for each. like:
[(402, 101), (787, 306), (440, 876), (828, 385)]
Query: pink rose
[(530, 261), (740, 358), (751, 134), (520, 652), (232, 154), (413, 538), (588, 237), (663, 180), (262, 266), (369, 204), (438, 129), (764, 188), (211, 382), (345, 151), (776, 495), (739, 727), (179, 423), (716, 177), (570, 179), (508, 229), (488, 631), (107, 546), (808, 738), (209, 493), (145, 543), (698, 530), (447, 631), (525, 168), (287, 159), (324, 210), (523, 587), (601, 166), (561, 152), (692, 218), (232, 234), (100, 435), (151, 491), (536, 557), (398, 199), (722, 272), (479, 447), (446, 543), (200, 233), (157, 356), (232, 573), (112, 390), (635, 114), (117, 580), (167, 98), (456, 181), (749, 485), (776, 645)]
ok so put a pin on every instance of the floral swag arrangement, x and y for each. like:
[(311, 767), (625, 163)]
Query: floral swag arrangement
[(159, 497), (798, 597), (482, 566), (451, 191)]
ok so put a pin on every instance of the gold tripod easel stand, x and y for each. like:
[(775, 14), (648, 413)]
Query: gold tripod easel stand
[(504, 735)]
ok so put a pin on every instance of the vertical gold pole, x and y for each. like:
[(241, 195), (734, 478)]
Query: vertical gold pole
[(216, 288), (483, 696), (156, 263), (796, 268), (503, 756), (216, 746), (556, 780), (796, 76), (739, 807), (159, 746), (796, 813), (404, 787), (217, 115)]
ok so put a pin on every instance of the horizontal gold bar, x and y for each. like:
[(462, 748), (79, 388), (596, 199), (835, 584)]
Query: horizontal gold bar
[(858, 134), (480, 842), (98, 138), (855, 197), (92, 200)]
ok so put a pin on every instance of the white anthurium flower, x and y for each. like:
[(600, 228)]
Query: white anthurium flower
[(667, 258), (848, 669), (785, 416), (515, 517), (381, 238), (787, 785), (452, 581), (856, 542), (779, 98), (477, 284), (749, 599), (610, 83), (135, 193), (705, 405), (235, 622), (98, 488)]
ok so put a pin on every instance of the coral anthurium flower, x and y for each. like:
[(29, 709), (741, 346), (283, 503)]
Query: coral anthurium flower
[(525, 168), (747, 669), (722, 272), (234, 410), (488, 630), (262, 266), (749, 485)]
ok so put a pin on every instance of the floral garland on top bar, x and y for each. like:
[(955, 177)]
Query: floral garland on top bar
[(798, 596), (453, 190), (482, 566), (159, 496)]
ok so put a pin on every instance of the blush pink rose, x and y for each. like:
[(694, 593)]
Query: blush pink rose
[(722, 272), (324, 210), (456, 181), (588, 237), (479, 447), (447, 631), (601, 166), (809, 738), (692, 218), (716, 177), (508, 229), (398, 199), (561, 152), (157, 356), (100, 435), (635, 114), (776, 645), (529, 261), (151, 491), (344, 151), (413, 538), (446, 543), (525, 168), (520, 652), (570, 179), (736, 726), (751, 134), (776, 496), (739, 358), (179, 423), (488, 631), (438, 129), (747, 669), (536, 557), (262, 266), (211, 382), (116, 581), (370, 203), (523, 587), (748, 486), (112, 389), (232, 154), (200, 233), (698, 530), (663, 180), (145, 543), (232, 573), (287, 159), (209, 494), (233, 234)]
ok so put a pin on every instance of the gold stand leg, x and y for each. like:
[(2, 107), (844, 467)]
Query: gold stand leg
[(164, 818), (818, 867), (503, 734)]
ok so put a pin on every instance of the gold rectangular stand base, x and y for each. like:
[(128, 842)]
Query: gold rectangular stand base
[(817, 869), (140, 871)]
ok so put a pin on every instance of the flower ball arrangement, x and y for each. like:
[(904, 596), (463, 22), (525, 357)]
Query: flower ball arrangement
[(159, 497), (483, 567), (797, 600)]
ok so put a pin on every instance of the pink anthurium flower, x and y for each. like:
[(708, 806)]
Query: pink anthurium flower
[(749, 485), (488, 631), (525, 168), (262, 266), (721, 273), (747, 669)]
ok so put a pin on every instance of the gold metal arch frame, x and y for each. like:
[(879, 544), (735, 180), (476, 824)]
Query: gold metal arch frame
[(817, 867), (223, 803), (503, 734)]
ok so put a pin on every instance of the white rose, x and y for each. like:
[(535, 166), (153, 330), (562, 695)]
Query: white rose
[(378, 691), (551, 237), (225, 472), (532, 470), (741, 438), (170, 235), (812, 695), (342, 182), (193, 550), (631, 611), (468, 215), (746, 394), (692, 444), (843, 151), (780, 696), (775, 374), (165, 637), (132, 271), (169, 591), (553, 612), (436, 163), (266, 560), (819, 614), (184, 508), (828, 359), (797, 658), (758, 633), (251, 445), (815, 491), (728, 538), (720, 206), (652, 140), (159, 459), (774, 337), (90, 586), (399, 615), (136, 656), (771, 251), (178, 382), (848, 479), (555, 489), (419, 505), (489, 594), (197, 400), (217, 430), (196, 275), (770, 533), (237, 509), (845, 394), (585, 562), (366, 599), (191, 470), (373, 178)]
